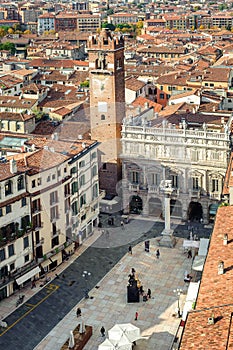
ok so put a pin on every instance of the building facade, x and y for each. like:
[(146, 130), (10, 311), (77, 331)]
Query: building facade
[(49, 205), (194, 159)]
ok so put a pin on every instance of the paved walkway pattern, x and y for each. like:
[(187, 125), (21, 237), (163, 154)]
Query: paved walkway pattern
[(107, 304)]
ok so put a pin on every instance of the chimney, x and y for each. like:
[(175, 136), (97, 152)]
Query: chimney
[(146, 104), (211, 319), (220, 267), (55, 136), (13, 166), (225, 239), (83, 145), (214, 108)]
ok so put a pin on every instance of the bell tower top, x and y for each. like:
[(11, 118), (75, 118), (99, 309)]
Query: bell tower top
[(105, 41)]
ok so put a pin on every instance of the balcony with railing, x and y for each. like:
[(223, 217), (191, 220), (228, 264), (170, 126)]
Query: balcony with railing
[(13, 275), (12, 232)]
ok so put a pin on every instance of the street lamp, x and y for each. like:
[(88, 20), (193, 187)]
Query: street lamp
[(178, 292), (85, 275)]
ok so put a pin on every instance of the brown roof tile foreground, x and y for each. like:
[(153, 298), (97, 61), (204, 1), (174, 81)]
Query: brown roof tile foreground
[(215, 298)]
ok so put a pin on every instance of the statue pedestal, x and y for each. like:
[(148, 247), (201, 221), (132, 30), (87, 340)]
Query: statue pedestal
[(167, 240)]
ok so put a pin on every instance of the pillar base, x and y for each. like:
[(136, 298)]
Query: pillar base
[(167, 239)]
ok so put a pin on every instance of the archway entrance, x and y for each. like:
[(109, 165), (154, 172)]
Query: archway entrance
[(135, 205), (195, 212), (155, 207), (175, 208)]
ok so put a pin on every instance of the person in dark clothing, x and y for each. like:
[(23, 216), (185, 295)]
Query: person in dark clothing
[(130, 250), (102, 331), (149, 293), (78, 312)]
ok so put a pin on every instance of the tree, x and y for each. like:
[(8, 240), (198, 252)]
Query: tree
[(2, 32), (27, 32), (10, 31), (110, 12), (109, 26), (85, 83), (8, 47), (139, 24)]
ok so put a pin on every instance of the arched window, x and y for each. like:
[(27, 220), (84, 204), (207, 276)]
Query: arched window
[(20, 182), (102, 117), (8, 188)]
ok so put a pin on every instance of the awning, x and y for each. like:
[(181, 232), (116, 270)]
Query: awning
[(199, 262), (213, 209), (190, 298), (203, 248), (28, 275)]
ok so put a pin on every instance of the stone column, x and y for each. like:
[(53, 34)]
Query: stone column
[(167, 212), (167, 239)]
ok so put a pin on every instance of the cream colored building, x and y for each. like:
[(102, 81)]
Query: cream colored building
[(191, 151), (16, 246), (49, 205)]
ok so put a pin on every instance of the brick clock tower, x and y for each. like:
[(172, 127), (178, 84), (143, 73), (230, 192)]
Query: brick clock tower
[(107, 103)]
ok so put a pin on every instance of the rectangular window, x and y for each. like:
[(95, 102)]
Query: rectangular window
[(36, 221), (24, 202), (25, 242), (26, 258), (161, 96), (2, 254), (82, 200), (39, 181), (8, 209), (174, 179), (11, 250), (36, 205), (37, 235), (1, 213), (95, 191), (67, 204), (54, 213), (195, 183), (53, 197), (154, 179), (82, 164), (73, 170), (214, 185), (82, 180), (12, 267), (33, 183), (74, 187), (55, 241), (135, 177)]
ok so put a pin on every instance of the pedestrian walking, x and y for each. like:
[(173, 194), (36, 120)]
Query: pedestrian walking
[(136, 316), (102, 331), (149, 293), (122, 224), (78, 312), (189, 254), (157, 253), (130, 250)]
